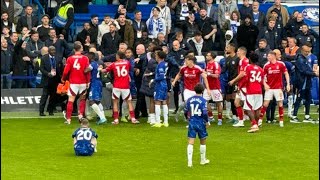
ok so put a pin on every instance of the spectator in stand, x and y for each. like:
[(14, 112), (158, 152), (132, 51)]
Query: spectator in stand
[(5, 22), (283, 46), (224, 10), (181, 10), (81, 6), (183, 42), (212, 11), (208, 28), (126, 30), (247, 34), (139, 26), (262, 51), (129, 5), (270, 34), (292, 50), (245, 9), (104, 27), (62, 49), (6, 65), (259, 17), (121, 10), (293, 17), (110, 41), (305, 36), (64, 17), (190, 27), (232, 24), (94, 29), (13, 41), (278, 25), (21, 62), (145, 40), (28, 20), (6, 33), (281, 10), (84, 35), (13, 8), (161, 40), (165, 14), (294, 27), (44, 28), (197, 44), (49, 80), (155, 24), (23, 32), (139, 68)]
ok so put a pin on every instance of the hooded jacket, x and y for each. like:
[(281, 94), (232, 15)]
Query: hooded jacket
[(198, 48)]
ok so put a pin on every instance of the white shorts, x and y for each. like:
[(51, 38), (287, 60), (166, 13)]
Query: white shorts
[(216, 95), (76, 89), (124, 93), (277, 93), (241, 94), (188, 94), (253, 102)]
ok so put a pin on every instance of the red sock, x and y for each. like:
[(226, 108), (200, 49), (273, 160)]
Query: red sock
[(82, 106), (115, 115), (240, 113), (263, 110), (219, 115), (281, 113), (69, 109), (210, 114), (132, 114), (253, 122)]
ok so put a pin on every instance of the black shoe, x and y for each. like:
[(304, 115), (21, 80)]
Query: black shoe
[(51, 114), (42, 114), (175, 112), (144, 115)]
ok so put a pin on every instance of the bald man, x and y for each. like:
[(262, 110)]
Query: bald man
[(140, 65)]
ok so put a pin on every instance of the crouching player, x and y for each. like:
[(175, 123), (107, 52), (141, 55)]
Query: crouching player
[(95, 93), (196, 111), (84, 139)]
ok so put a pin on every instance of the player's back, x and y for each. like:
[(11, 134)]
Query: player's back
[(243, 63), (254, 79), (161, 73), (76, 64), (84, 135), (95, 74), (197, 107), (120, 69)]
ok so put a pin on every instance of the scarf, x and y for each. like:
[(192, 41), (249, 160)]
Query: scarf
[(158, 23)]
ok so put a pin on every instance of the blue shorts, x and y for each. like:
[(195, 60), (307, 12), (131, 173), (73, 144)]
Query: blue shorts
[(83, 149), (95, 93), (197, 127), (160, 94)]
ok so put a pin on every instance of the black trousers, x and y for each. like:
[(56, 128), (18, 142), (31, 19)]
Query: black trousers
[(49, 90)]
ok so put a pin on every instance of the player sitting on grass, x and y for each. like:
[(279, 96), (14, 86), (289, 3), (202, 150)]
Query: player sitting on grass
[(196, 111), (95, 93), (84, 139)]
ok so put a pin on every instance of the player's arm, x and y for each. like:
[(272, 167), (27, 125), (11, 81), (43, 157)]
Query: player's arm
[(286, 75), (108, 68), (205, 80), (66, 71), (205, 113), (88, 69), (74, 136), (88, 75), (186, 110), (236, 79)]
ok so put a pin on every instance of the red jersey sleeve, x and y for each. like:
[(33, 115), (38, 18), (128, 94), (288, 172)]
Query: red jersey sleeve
[(110, 67)]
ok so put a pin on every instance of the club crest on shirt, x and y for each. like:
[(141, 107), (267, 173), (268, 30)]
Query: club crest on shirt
[(311, 14)]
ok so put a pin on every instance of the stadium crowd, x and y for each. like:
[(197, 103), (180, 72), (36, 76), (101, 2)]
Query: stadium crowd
[(34, 52)]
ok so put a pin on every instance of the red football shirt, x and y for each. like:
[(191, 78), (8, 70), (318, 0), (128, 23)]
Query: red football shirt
[(253, 80), (75, 66), (213, 68), (191, 76), (274, 73), (120, 70), (242, 64)]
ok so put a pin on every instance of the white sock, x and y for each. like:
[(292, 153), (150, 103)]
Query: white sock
[(203, 152), (96, 109), (152, 118), (190, 152), (290, 103), (124, 109), (181, 107), (228, 108), (165, 113), (88, 109), (234, 117), (158, 113), (307, 116), (101, 107)]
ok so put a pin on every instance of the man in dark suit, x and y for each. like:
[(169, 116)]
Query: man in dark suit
[(28, 20), (49, 80)]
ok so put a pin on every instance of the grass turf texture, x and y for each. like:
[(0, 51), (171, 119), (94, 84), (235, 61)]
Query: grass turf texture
[(41, 148)]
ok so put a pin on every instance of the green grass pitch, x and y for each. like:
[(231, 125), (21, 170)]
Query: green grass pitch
[(41, 148)]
